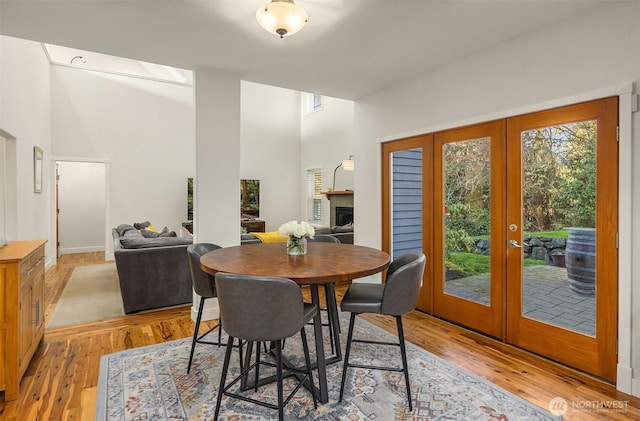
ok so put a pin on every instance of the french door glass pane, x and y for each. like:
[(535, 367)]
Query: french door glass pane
[(467, 191), (406, 210), (559, 214)]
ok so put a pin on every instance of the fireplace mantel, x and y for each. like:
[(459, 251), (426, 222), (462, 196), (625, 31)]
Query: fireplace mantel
[(338, 199), (337, 193)]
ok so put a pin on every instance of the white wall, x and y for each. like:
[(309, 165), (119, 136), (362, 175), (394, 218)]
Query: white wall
[(146, 131), (593, 55), (26, 116), (217, 181), (327, 139), (81, 201), (143, 128), (270, 150)]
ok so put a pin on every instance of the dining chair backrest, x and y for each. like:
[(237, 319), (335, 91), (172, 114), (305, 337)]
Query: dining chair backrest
[(324, 239), (259, 308), (203, 283), (402, 284)]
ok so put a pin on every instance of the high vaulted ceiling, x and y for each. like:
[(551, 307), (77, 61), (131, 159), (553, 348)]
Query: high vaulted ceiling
[(349, 48)]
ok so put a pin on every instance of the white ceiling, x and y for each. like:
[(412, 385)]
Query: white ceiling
[(349, 48)]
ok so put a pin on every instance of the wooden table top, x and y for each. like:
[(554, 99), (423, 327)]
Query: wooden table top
[(324, 262)]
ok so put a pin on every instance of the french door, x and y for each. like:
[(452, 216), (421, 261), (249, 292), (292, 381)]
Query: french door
[(518, 219), (577, 324)]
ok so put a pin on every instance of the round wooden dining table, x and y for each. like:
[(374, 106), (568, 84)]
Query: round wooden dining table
[(324, 264)]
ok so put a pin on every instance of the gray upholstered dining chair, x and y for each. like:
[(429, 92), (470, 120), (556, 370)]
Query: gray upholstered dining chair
[(260, 309), (204, 286), (398, 295), (323, 239)]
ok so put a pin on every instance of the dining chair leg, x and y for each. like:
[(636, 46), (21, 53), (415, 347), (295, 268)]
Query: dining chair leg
[(279, 380), (346, 354), (195, 334), (246, 362), (403, 351), (223, 377), (257, 374)]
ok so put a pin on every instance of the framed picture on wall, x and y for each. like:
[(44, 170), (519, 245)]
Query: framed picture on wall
[(249, 198), (37, 169)]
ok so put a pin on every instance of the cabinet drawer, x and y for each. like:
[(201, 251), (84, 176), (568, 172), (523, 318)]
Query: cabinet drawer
[(25, 271), (32, 266)]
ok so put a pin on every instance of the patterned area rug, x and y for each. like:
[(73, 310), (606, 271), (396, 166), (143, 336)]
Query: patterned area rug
[(151, 383)]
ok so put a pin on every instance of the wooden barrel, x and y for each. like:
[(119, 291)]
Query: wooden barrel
[(581, 260)]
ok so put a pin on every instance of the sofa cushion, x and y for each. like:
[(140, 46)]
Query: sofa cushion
[(323, 230), (149, 234), (132, 233), (141, 225), (139, 242), (249, 239), (123, 228), (344, 228), (166, 233)]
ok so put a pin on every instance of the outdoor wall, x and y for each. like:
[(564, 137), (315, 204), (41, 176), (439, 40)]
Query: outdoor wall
[(270, 150), (25, 106), (595, 54), (327, 139), (143, 128)]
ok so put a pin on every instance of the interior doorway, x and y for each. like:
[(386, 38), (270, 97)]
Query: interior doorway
[(8, 186), (3, 212), (81, 206)]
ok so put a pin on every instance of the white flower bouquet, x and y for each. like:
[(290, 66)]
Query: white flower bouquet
[(295, 229), (296, 234)]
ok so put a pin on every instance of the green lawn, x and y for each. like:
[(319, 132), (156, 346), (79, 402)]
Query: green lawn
[(549, 234), (475, 264)]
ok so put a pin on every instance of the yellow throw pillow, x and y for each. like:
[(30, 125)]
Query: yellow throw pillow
[(270, 237)]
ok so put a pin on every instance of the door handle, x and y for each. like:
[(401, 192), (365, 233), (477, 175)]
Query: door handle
[(514, 244)]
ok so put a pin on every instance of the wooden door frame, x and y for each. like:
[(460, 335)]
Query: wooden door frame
[(425, 298)]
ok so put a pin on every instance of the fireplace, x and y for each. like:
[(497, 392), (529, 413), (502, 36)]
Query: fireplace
[(344, 215)]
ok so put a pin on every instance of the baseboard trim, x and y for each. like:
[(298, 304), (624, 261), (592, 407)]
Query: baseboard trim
[(87, 249), (211, 309)]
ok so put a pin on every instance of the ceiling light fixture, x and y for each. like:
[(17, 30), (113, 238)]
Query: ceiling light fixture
[(281, 17)]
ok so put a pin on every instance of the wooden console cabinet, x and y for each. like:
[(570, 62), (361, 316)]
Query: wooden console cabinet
[(253, 225), (21, 310)]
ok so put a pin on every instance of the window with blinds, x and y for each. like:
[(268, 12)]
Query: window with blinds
[(314, 197)]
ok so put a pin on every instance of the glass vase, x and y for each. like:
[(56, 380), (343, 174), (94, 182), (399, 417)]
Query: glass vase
[(296, 246)]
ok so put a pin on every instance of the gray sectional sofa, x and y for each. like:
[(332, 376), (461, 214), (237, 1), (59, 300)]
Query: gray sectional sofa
[(342, 233), (153, 272)]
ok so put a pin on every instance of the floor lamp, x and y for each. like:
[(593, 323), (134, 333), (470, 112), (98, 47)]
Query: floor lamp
[(347, 164)]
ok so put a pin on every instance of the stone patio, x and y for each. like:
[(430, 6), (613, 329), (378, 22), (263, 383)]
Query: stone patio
[(547, 297)]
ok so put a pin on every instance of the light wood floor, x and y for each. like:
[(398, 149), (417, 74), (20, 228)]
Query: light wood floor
[(61, 381)]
